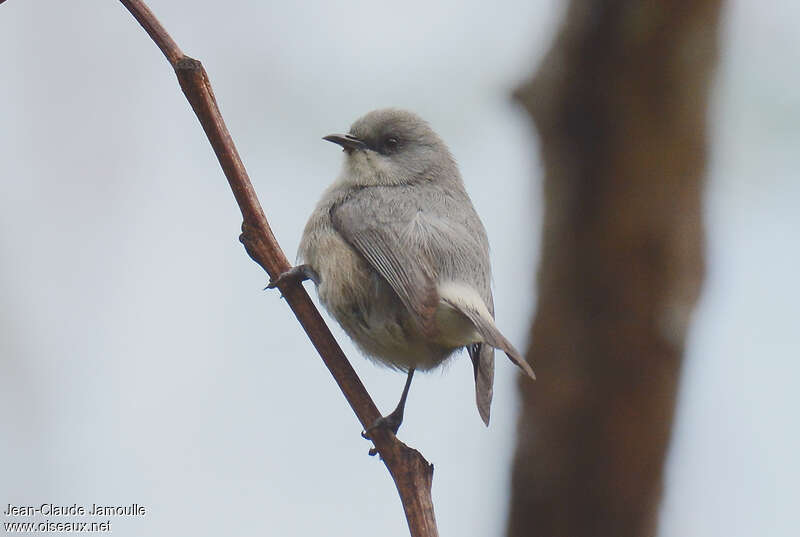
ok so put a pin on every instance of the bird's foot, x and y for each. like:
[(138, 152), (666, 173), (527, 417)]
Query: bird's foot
[(391, 422), (300, 273)]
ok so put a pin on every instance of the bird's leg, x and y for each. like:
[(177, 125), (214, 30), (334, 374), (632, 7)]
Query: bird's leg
[(300, 273), (393, 420)]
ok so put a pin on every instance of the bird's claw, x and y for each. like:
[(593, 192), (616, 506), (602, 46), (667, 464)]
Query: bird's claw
[(286, 276), (391, 423), (300, 273)]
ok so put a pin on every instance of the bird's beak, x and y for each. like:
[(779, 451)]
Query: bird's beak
[(348, 142)]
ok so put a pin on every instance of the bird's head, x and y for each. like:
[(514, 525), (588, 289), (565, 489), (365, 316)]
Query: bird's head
[(393, 147)]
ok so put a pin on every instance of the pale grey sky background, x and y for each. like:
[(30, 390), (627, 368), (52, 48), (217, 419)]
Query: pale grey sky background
[(140, 362)]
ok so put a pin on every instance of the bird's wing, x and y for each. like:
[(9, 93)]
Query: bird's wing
[(387, 227), (467, 300)]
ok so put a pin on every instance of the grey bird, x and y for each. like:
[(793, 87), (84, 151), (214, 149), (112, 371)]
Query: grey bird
[(400, 258)]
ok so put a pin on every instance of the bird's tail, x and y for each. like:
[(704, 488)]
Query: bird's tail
[(483, 363)]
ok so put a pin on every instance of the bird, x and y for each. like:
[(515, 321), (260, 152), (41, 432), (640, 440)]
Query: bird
[(400, 257)]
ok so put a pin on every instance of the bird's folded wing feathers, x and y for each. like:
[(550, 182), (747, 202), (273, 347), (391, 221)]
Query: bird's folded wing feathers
[(382, 231), (403, 244), (470, 304)]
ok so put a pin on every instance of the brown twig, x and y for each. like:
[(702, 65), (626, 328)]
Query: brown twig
[(412, 474)]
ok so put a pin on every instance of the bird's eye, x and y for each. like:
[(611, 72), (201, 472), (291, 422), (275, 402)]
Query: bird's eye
[(391, 143)]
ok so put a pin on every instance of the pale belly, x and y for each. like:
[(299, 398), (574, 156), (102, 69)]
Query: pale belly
[(373, 316)]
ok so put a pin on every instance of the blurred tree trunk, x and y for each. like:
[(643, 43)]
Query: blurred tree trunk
[(620, 103)]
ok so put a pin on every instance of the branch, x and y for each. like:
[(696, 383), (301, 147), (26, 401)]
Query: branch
[(412, 474)]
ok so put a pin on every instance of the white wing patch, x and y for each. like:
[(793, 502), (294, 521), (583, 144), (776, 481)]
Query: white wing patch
[(466, 300), (456, 328), (462, 295)]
